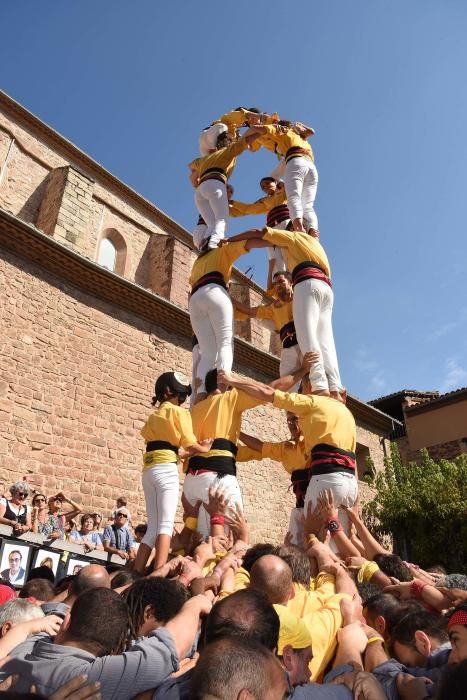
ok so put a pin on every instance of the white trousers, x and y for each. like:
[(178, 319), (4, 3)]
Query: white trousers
[(301, 183), (196, 488), (213, 205), (160, 486), (312, 312), (209, 136), (291, 360), (279, 255), (211, 314), (199, 234), (195, 360), (344, 487), (296, 527)]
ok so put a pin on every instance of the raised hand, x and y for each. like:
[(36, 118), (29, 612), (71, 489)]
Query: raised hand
[(218, 501)]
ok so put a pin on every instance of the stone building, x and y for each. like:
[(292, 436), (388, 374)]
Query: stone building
[(94, 282), (437, 422)]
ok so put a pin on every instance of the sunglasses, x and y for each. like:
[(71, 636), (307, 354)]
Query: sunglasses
[(122, 515), (21, 495)]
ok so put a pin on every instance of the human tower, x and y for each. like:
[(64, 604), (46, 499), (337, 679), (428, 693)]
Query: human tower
[(321, 451)]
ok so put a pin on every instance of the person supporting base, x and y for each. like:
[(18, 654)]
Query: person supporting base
[(167, 429), (291, 454), (328, 428)]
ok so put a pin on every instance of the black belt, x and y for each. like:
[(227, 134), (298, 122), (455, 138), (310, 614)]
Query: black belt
[(306, 270), (213, 174), (327, 459), (300, 479), (209, 278), (221, 464), (160, 445), (297, 152)]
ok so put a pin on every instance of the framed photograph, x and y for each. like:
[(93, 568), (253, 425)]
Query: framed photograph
[(45, 557), (75, 565), (14, 562)]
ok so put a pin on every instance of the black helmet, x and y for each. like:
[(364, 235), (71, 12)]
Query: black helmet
[(176, 382)]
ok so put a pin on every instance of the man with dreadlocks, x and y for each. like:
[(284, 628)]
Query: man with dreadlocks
[(152, 602)]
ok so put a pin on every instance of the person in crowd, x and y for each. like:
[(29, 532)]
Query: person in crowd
[(86, 535), (14, 511), (17, 611), (167, 429), (91, 642), (98, 526), (121, 502), (49, 518), (420, 638), (48, 562), (117, 539), (152, 602), (40, 589), (230, 669), (457, 631), (15, 573)]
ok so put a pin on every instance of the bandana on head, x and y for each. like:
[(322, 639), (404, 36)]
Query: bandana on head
[(458, 618)]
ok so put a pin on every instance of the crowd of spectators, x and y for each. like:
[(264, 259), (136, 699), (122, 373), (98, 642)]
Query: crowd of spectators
[(227, 620)]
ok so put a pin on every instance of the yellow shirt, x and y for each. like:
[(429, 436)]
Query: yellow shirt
[(171, 424), (323, 624), (261, 206), (279, 312), (247, 454), (233, 120), (291, 453), (321, 419), (301, 247), (306, 601), (285, 139), (223, 160), (217, 260), (220, 416)]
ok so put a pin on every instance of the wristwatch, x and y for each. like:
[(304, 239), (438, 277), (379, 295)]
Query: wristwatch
[(333, 525)]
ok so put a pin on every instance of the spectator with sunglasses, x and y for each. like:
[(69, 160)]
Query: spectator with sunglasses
[(117, 538), (48, 518), (14, 511)]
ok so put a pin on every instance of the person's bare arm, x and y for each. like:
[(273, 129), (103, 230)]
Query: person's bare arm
[(372, 546), (290, 380), (184, 626), (244, 308), (423, 591), (17, 634), (263, 392), (252, 442), (329, 512)]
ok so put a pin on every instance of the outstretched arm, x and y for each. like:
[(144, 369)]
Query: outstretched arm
[(263, 392), (244, 308), (289, 380), (253, 443)]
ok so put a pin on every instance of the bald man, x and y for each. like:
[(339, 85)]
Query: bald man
[(272, 576)]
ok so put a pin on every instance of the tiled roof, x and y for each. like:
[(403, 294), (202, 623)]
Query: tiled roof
[(403, 393), (448, 397)]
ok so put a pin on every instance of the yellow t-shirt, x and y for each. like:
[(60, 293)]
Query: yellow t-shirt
[(220, 416), (233, 120), (223, 159), (285, 139), (218, 260), (279, 312), (291, 453), (261, 206), (168, 423), (306, 601), (247, 454), (323, 625), (321, 419), (301, 247)]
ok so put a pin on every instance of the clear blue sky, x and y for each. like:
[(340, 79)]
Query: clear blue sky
[(383, 83)]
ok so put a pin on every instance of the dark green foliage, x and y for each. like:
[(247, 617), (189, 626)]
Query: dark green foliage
[(424, 507)]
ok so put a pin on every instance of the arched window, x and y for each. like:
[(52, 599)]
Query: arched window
[(107, 254), (112, 251)]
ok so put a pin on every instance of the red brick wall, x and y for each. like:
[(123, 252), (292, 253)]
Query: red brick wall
[(76, 380)]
